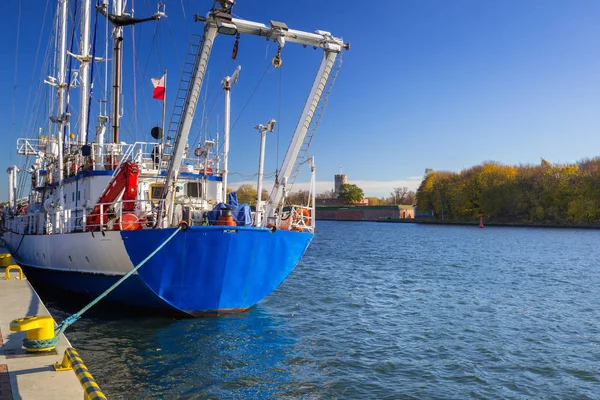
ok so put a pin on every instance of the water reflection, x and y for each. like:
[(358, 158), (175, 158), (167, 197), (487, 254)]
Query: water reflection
[(252, 355)]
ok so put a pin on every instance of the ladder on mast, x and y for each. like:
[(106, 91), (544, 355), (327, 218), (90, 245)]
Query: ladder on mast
[(303, 154), (182, 97)]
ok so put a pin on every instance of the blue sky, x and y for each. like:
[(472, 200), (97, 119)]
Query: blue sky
[(427, 84)]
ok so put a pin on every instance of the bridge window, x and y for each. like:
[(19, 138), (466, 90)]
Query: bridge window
[(194, 189)]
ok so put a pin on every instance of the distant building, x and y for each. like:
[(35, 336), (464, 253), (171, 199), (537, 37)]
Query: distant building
[(339, 180), (365, 213), (338, 202), (422, 214)]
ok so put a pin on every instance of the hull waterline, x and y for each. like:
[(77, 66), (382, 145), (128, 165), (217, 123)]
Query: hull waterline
[(205, 270)]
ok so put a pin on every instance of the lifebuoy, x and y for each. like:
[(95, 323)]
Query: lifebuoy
[(302, 214), (74, 167), (209, 171), (198, 152)]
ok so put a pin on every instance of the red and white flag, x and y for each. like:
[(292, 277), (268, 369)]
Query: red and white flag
[(159, 88)]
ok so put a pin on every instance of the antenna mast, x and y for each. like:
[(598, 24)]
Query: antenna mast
[(119, 19)]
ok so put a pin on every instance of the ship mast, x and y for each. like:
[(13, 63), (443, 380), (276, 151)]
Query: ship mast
[(117, 69), (61, 119), (228, 81), (84, 60)]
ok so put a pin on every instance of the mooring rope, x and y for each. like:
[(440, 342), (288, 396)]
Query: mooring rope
[(40, 344)]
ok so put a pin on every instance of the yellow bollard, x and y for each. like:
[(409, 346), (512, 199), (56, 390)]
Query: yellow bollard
[(37, 328), (72, 360), (4, 260), (11, 267)]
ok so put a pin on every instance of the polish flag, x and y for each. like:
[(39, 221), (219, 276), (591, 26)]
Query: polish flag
[(159, 88)]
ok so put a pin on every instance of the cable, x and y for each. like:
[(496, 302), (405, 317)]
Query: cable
[(89, 99), (250, 99), (133, 56), (15, 80), (278, 121)]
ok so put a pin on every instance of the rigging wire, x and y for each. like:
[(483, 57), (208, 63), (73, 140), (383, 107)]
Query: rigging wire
[(68, 81), (144, 76), (28, 104), (278, 124), (89, 99), (40, 100), (250, 98), (133, 57), (106, 33), (174, 43), (16, 75), (204, 122), (187, 27)]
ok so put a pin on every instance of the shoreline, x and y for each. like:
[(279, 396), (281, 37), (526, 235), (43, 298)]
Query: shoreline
[(496, 224), (458, 223)]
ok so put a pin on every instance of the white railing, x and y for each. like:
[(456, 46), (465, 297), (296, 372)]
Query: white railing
[(32, 147), (110, 156), (110, 217), (299, 218)]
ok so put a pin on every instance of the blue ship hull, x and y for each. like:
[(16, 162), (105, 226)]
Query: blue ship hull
[(216, 270), (204, 270)]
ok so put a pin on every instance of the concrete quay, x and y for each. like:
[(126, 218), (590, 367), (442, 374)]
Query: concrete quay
[(29, 376)]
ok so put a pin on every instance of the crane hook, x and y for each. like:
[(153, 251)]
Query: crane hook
[(277, 61)]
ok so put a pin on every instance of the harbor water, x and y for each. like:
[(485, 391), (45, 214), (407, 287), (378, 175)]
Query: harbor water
[(377, 311)]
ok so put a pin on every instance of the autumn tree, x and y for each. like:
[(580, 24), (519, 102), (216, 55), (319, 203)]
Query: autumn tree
[(399, 193), (328, 194), (247, 194), (544, 193), (373, 201), (350, 193), (299, 198), (410, 198)]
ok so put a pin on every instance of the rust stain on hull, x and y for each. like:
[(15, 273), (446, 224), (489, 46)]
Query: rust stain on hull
[(218, 313)]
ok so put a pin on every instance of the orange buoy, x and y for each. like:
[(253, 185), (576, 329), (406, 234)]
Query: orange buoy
[(129, 222)]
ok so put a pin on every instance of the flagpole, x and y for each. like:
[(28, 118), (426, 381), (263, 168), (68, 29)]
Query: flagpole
[(164, 112)]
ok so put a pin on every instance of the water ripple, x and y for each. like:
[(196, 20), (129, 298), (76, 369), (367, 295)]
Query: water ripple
[(381, 311)]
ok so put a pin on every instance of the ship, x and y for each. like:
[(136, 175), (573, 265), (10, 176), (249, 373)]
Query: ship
[(86, 211)]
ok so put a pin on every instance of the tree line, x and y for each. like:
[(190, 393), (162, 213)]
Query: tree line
[(545, 193), (348, 194)]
